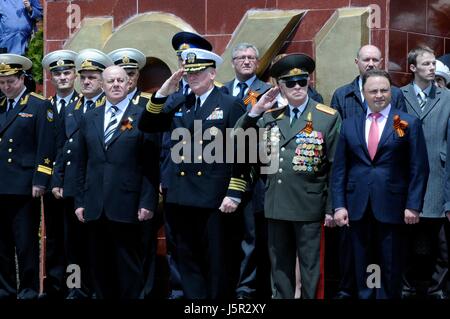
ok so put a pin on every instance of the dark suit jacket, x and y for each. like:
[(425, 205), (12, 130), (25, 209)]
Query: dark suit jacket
[(27, 142), (121, 179), (198, 184), (66, 163), (347, 100), (396, 178)]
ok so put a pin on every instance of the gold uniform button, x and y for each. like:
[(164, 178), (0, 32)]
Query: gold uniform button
[(11, 140), (0, 139), (182, 157), (70, 140), (9, 160), (200, 142), (10, 150), (184, 142), (199, 157), (199, 173), (279, 181), (68, 163), (283, 149), (281, 159), (68, 151), (280, 170), (182, 173)]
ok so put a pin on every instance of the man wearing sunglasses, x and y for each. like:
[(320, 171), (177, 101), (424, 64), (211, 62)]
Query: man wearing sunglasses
[(303, 136)]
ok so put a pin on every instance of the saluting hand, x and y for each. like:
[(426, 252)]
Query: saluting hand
[(228, 205), (171, 84), (411, 216), (144, 214), (266, 101)]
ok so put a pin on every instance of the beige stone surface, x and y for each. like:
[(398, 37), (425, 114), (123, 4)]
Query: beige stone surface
[(336, 45)]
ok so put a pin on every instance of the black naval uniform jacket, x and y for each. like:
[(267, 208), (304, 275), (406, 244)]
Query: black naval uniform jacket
[(66, 163), (119, 180), (193, 182), (27, 144)]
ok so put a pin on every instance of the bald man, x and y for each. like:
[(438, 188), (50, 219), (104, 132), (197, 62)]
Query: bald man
[(117, 188)]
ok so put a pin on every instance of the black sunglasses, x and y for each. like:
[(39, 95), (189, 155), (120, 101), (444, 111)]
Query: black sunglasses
[(291, 84)]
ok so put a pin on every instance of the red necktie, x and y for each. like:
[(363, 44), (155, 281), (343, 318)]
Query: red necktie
[(373, 135)]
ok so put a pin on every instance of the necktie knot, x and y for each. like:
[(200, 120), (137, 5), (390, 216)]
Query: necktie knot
[(295, 111), (422, 98), (242, 87), (114, 109), (186, 89), (375, 116), (10, 104), (89, 105)]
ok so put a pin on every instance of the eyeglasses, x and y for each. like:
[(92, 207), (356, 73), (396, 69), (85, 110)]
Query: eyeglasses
[(243, 57), (291, 84)]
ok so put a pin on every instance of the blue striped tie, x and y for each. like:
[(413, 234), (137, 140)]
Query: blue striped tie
[(112, 125)]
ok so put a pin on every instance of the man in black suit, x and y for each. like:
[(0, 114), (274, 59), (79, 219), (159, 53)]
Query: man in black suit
[(61, 65), (201, 188), (26, 161), (90, 64), (250, 267), (117, 188), (181, 41)]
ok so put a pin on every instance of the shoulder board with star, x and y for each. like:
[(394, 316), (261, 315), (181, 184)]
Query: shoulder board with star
[(78, 105), (37, 96), (326, 109), (218, 84)]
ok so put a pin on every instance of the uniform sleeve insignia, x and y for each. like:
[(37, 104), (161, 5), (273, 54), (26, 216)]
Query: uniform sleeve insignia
[(50, 115), (325, 109), (37, 95)]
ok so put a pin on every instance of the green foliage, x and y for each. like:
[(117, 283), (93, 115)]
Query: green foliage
[(35, 54)]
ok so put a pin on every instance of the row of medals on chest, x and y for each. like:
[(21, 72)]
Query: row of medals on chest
[(308, 152)]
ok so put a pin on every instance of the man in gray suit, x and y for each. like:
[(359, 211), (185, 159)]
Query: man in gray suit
[(432, 106), (250, 266)]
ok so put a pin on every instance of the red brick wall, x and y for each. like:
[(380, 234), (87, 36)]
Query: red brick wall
[(403, 25)]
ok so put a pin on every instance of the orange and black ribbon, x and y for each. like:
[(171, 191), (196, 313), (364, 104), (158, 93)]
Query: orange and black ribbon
[(309, 125), (126, 125), (251, 98), (400, 125)]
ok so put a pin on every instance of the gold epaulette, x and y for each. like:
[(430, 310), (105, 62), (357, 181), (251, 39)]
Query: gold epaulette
[(326, 109), (146, 95), (237, 184), (153, 107), (2, 101), (37, 95), (218, 84)]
